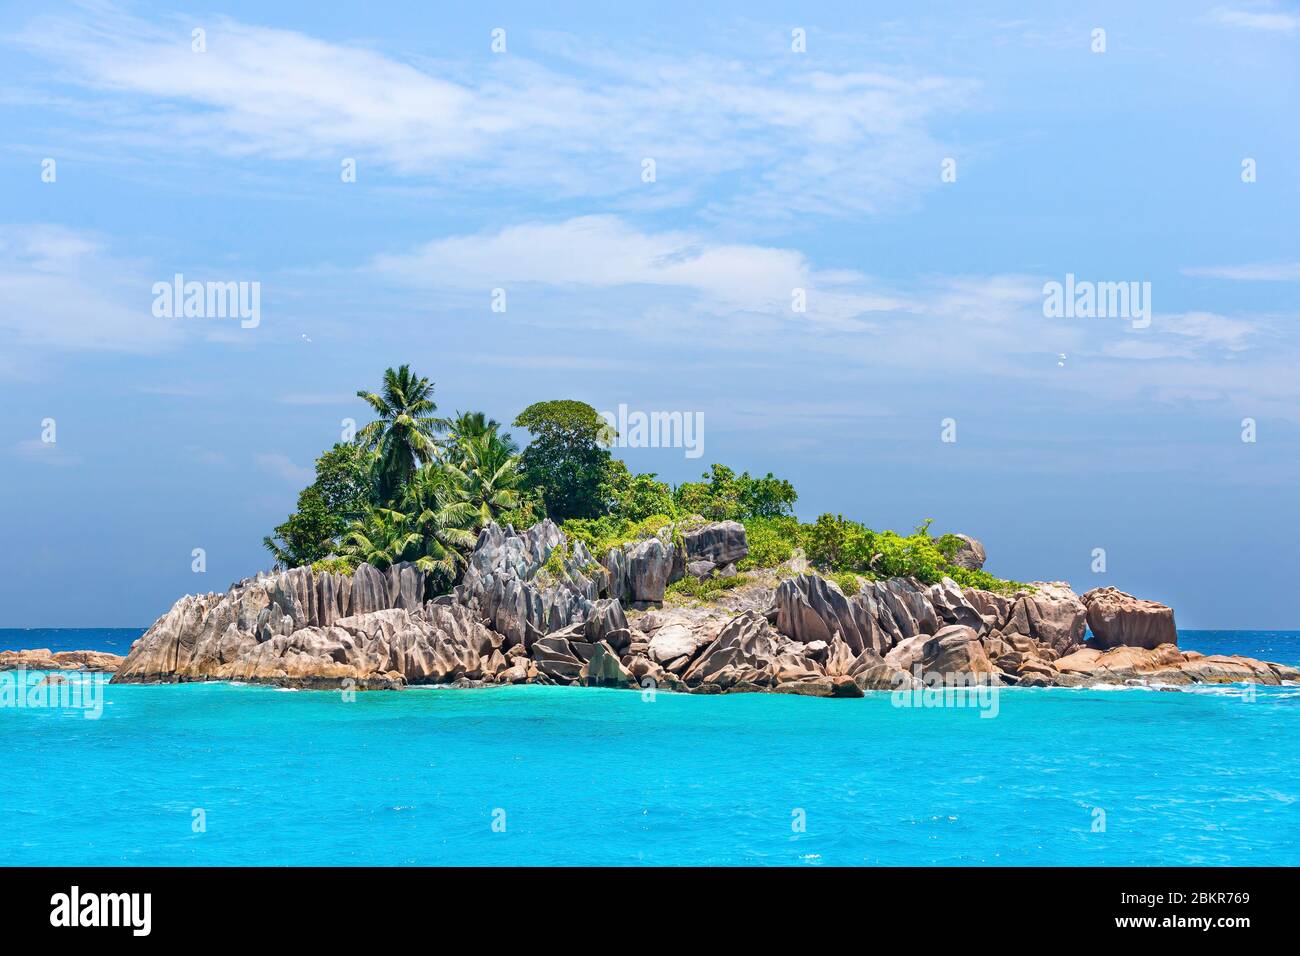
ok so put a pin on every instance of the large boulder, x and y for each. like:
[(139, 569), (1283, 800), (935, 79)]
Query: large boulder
[(604, 669), (749, 652), (1118, 619), (955, 652), (1051, 615), (952, 606), (902, 608), (721, 542), (639, 572)]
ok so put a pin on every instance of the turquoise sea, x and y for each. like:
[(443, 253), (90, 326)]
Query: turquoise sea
[(538, 775)]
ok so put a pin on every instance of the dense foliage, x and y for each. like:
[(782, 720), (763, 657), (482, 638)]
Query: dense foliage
[(415, 487), (567, 459)]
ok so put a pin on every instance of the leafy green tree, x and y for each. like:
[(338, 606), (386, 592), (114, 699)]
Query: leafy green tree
[(766, 497), (567, 459), (307, 535), (403, 435), (345, 479), (341, 493), (634, 497), (723, 495), (383, 537)]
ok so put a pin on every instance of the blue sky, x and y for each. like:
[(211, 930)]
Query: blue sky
[(774, 170)]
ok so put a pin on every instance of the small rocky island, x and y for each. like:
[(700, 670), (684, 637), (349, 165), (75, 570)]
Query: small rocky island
[(534, 607)]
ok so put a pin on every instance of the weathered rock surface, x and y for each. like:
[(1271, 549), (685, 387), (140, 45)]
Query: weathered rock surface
[(639, 572), (432, 645), (955, 650), (813, 608), (506, 582), (1051, 614), (1118, 619), (43, 659), (721, 542)]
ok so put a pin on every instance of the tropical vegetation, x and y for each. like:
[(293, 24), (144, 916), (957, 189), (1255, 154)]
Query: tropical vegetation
[(412, 486)]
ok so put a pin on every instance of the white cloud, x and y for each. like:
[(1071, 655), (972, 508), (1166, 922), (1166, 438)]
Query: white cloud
[(1262, 18), (769, 136), (1251, 272), (282, 467), (62, 288), (604, 252)]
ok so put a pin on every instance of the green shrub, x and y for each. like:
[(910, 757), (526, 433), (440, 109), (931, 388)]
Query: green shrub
[(772, 541), (704, 588), (848, 582), (334, 565), (839, 545), (554, 564), (601, 534)]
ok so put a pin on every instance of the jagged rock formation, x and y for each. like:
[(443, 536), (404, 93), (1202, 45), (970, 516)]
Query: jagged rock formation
[(535, 608), (506, 583), (640, 572), (1118, 619)]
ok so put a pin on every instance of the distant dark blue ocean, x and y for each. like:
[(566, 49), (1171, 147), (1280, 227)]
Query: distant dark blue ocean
[(221, 774)]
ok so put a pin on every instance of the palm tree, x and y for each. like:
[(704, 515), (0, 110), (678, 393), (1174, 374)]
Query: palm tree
[(432, 530), (443, 520), (467, 426), (488, 476), (382, 538), (403, 433)]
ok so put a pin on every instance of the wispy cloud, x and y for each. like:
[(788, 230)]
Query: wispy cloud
[(1261, 17), (63, 288), (770, 135), (316, 398), (605, 252), (282, 467), (1253, 272), (45, 453)]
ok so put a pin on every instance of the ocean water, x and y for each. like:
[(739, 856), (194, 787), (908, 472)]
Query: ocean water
[(1205, 776)]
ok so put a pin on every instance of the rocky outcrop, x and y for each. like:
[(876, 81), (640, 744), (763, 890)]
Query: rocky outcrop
[(530, 610), (1117, 619), (881, 615), (1166, 664), (390, 648), (43, 659), (747, 651), (970, 553), (813, 608)]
